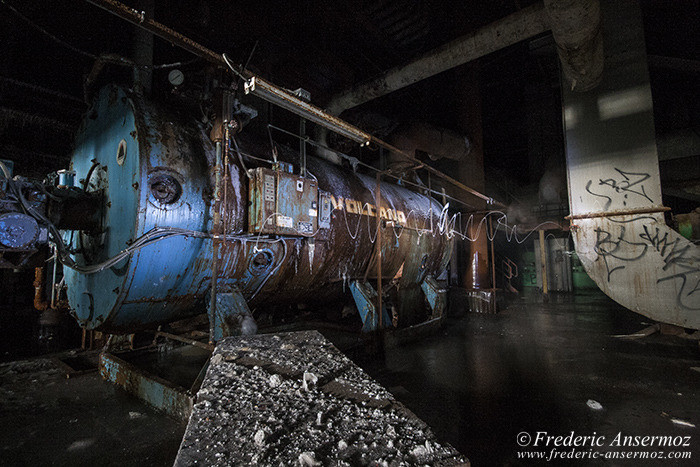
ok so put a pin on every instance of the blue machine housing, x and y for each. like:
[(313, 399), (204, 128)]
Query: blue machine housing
[(128, 148), (155, 168)]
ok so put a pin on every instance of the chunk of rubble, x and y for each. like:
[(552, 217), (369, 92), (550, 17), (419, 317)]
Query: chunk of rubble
[(324, 411)]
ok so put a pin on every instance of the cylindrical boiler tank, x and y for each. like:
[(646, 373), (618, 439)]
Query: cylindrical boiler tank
[(155, 166)]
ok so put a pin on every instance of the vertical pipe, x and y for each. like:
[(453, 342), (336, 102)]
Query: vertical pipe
[(143, 51), (216, 226), (226, 149), (53, 277), (302, 147), (378, 239), (543, 263), (493, 263), (39, 302)]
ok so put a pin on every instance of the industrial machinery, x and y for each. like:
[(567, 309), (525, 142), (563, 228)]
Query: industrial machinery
[(166, 221)]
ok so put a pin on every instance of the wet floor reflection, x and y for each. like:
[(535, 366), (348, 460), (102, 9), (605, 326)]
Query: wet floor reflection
[(485, 378)]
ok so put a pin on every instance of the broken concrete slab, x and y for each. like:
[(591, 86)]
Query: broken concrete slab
[(294, 399)]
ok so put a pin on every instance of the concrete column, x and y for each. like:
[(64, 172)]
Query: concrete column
[(471, 172)]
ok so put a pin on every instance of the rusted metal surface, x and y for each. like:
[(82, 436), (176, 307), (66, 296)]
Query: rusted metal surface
[(40, 302), (619, 212), (168, 280), (139, 19), (378, 243), (156, 391), (185, 340)]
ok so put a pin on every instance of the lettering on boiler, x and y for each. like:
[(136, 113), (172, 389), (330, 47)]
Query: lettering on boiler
[(367, 209)]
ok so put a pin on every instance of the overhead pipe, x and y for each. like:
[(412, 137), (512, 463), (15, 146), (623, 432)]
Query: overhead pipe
[(268, 91), (437, 143)]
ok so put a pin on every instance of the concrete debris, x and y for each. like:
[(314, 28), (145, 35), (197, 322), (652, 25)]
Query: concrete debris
[(216, 359), (308, 459), (309, 381), (321, 410), (259, 438), (594, 405), (275, 380)]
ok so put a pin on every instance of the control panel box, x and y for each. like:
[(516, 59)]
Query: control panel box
[(282, 203)]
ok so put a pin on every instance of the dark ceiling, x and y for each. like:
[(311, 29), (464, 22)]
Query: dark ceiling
[(323, 46)]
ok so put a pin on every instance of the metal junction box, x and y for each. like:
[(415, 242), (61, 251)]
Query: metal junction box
[(282, 203)]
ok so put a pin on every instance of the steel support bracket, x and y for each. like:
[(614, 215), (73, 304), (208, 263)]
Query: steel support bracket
[(156, 391), (366, 300), (231, 316), (436, 296)]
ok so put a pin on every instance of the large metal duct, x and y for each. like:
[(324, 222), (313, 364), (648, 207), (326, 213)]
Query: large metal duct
[(437, 143), (614, 185), (576, 29), (421, 137)]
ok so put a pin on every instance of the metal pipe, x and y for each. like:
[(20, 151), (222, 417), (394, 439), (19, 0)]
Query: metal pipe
[(139, 19), (216, 228), (226, 181), (280, 97), (143, 52), (378, 240), (447, 178), (302, 147), (268, 91), (543, 264), (621, 212), (493, 258), (39, 303), (519, 26), (53, 277), (185, 340)]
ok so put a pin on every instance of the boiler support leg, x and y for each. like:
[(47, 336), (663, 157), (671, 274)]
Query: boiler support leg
[(366, 300), (436, 296), (231, 317)]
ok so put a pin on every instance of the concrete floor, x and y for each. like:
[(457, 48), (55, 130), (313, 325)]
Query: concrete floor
[(46, 419), (534, 366), (479, 382)]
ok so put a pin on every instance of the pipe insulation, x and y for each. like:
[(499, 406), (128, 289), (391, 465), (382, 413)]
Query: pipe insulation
[(576, 27)]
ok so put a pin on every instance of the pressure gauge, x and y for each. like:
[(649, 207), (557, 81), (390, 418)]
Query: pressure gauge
[(176, 77)]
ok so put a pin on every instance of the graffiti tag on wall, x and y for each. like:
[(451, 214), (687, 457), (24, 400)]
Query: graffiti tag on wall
[(624, 184), (680, 260)]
